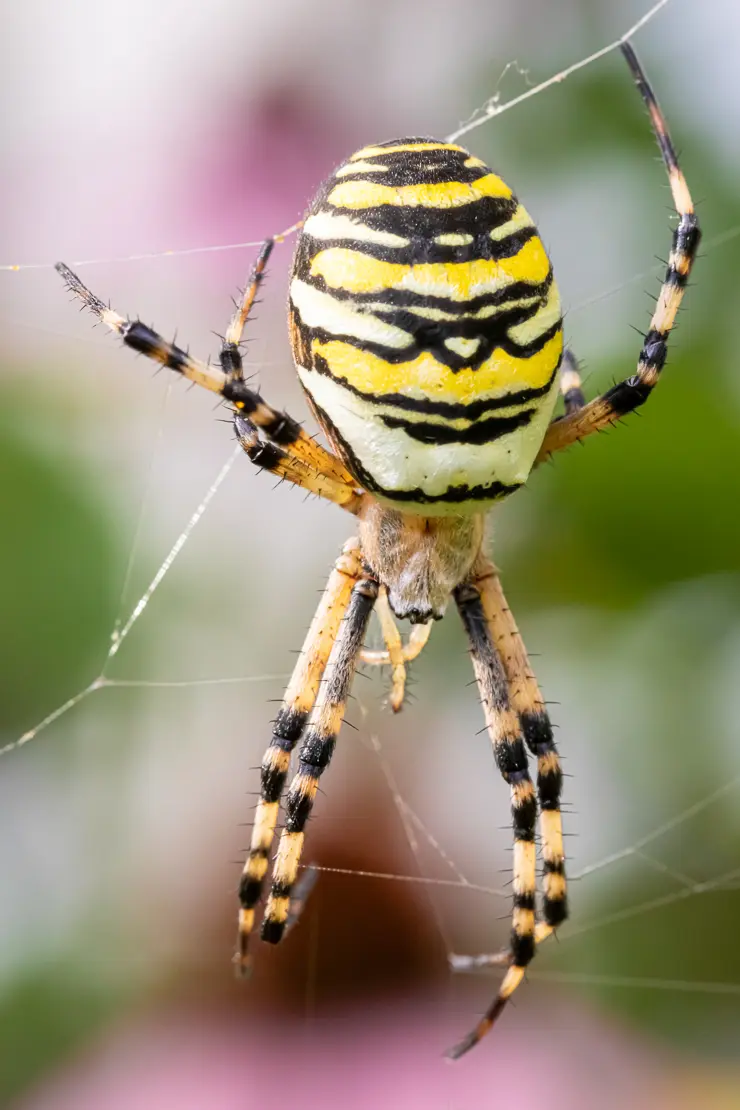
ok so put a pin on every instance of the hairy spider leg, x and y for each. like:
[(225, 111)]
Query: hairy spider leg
[(511, 758), (629, 394), (289, 725), (316, 752), (278, 427)]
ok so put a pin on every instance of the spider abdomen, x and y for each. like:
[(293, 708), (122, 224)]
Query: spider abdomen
[(426, 326)]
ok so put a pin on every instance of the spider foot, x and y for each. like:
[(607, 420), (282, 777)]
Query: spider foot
[(467, 964), (511, 981)]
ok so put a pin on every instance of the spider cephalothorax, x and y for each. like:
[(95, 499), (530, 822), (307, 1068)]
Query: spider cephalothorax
[(427, 334)]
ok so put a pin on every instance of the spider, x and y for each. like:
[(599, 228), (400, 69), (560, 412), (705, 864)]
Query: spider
[(426, 330)]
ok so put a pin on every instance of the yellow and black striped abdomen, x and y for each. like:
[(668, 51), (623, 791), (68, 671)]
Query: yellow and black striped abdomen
[(426, 326)]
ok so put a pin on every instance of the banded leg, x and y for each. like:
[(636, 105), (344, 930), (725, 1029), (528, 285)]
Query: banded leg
[(527, 701), (272, 457), (511, 758), (288, 433), (225, 380), (289, 725), (315, 753), (628, 395), (230, 355)]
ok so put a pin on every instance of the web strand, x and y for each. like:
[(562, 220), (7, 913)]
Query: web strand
[(493, 108), (121, 630), (488, 111), (117, 636)]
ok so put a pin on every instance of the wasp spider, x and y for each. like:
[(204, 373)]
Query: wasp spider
[(427, 333)]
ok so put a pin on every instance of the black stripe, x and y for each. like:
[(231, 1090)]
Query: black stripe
[(453, 495), (422, 168), (674, 278), (273, 783), (687, 235), (272, 931), (146, 341), (250, 891), (511, 758), (524, 901), (230, 359), (522, 949), (289, 725), (266, 455), (419, 222), (627, 396), (405, 298), (282, 429), (537, 732), (452, 410), (423, 250), (524, 815), (241, 395), (485, 431), (430, 336), (555, 910)]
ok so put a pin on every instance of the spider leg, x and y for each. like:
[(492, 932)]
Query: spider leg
[(225, 380), (511, 757), (394, 650), (629, 394), (288, 727), (396, 654), (230, 354), (414, 646), (279, 461), (526, 699), (289, 435), (299, 896), (570, 383), (315, 753)]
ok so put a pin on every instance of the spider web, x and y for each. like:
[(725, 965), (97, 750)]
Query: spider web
[(644, 850)]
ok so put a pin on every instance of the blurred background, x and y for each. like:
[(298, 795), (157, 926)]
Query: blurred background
[(135, 129)]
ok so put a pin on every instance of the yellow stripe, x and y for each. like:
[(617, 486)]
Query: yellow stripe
[(519, 220), (525, 866), (446, 194), (425, 377), (552, 835), (373, 151), (288, 857), (356, 272)]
